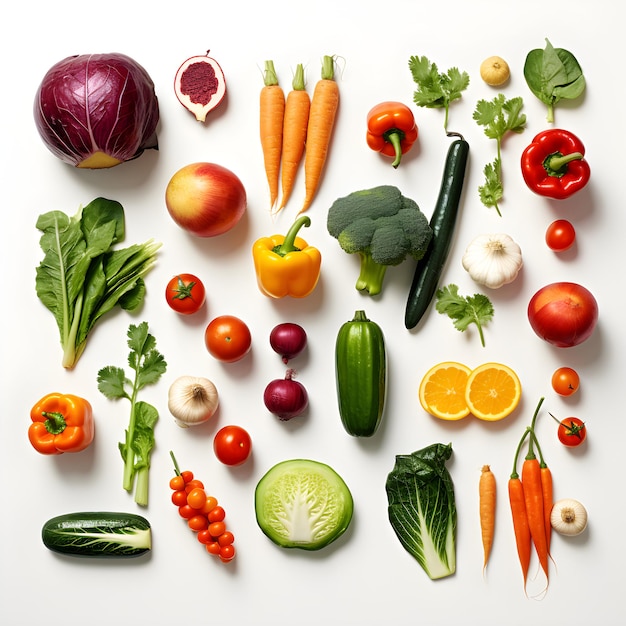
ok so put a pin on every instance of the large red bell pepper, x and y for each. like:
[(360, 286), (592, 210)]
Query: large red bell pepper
[(391, 130), (553, 165)]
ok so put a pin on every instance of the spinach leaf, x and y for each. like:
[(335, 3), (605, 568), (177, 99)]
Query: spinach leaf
[(422, 508), (553, 74), (82, 276)]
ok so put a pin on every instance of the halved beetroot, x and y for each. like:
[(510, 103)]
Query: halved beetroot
[(200, 85)]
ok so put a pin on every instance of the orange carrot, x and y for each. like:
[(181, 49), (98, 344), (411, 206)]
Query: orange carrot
[(295, 126), (324, 105), (548, 501), (487, 506), (517, 502), (272, 110), (533, 495)]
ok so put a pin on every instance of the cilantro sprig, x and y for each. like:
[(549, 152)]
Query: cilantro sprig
[(465, 310), (499, 116), (149, 365), (436, 89)]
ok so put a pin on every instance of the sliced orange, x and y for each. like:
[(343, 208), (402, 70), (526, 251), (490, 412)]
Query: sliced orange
[(493, 391), (442, 390)]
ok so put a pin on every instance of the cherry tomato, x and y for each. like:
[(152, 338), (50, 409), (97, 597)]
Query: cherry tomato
[(179, 498), (216, 529), (196, 498), (209, 505), (226, 538), (227, 338), (177, 483), (213, 547), (227, 553), (217, 514), (565, 381), (198, 522), (185, 294), (572, 431), (232, 445), (560, 235)]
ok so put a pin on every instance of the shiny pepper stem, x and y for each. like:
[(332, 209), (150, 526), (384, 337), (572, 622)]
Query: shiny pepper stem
[(555, 163), (288, 245)]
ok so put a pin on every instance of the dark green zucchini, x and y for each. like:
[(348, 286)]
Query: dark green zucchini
[(361, 375), (442, 222), (98, 534)]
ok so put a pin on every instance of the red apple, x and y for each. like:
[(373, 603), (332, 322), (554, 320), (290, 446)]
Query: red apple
[(564, 314), (205, 199)]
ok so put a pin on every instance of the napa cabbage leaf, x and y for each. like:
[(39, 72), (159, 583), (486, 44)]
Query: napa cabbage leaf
[(422, 508)]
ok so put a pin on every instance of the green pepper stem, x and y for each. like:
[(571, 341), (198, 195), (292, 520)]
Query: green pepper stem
[(288, 244), (55, 422), (395, 137), (557, 162)]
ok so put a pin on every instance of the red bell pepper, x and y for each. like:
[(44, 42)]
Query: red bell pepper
[(553, 165), (391, 130)]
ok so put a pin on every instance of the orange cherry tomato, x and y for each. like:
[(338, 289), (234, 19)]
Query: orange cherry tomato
[(196, 498), (198, 522), (565, 381), (177, 483), (228, 338)]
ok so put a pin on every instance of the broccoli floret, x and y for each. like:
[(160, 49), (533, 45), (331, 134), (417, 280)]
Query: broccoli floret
[(383, 227)]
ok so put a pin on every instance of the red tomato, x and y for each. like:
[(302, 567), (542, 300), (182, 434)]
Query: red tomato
[(227, 338), (572, 432), (565, 381), (563, 314), (232, 445), (560, 235), (185, 294)]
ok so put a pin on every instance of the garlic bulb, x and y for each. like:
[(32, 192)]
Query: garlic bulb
[(493, 260), (192, 400), (568, 517)]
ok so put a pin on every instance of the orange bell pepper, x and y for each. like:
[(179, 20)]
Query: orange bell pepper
[(287, 265), (61, 423), (391, 130)]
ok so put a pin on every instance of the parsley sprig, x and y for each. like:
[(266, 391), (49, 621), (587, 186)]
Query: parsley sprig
[(149, 365), (436, 89), (465, 310), (499, 116)]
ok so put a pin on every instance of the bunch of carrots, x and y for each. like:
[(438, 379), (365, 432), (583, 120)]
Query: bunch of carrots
[(531, 500), (295, 127)]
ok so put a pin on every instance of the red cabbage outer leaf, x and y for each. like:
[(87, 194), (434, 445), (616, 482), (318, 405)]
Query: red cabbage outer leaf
[(97, 103)]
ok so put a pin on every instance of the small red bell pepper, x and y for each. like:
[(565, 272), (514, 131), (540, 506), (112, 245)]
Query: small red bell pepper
[(391, 130), (553, 165), (61, 423)]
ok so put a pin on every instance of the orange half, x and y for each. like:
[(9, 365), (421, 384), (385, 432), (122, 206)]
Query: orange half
[(442, 390), (493, 391)]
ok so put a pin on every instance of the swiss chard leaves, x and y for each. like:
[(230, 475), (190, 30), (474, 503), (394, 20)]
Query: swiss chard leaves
[(553, 74), (422, 508)]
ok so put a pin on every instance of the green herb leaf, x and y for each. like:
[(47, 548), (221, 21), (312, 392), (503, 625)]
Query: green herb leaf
[(435, 89), (465, 310), (149, 365), (553, 74), (499, 117)]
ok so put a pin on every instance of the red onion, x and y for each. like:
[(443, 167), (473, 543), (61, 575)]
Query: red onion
[(97, 110), (288, 340), (286, 398)]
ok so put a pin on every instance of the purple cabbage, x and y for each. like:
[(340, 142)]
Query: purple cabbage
[(94, 103)]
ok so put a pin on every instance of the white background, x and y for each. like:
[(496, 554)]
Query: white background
[(366, 577)]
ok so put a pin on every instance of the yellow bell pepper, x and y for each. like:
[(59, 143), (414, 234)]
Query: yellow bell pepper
[(287, 265)]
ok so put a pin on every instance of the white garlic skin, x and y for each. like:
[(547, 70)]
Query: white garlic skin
[(568, 517), (493, 260), (192, 400)]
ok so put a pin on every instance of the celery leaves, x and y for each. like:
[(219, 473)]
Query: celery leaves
[(82, 276), (465, 310), (436, 89), (149, 365)]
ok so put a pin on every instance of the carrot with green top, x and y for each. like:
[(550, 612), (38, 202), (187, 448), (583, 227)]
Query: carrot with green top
[(533, 495), (521, 526), (324, 105), (271, 116), (295, 126)]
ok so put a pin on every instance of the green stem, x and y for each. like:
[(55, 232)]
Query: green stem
[(557, 162), (129, 464), (55, 422), (288, 244), (328, 68), (298, 83), (533, 436), (514, 473), (176, 467), (395, 137), (270, 77), (550, 116)]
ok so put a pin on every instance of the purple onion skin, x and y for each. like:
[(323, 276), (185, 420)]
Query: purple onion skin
[(286, 398), (97, 103), (288, 340)]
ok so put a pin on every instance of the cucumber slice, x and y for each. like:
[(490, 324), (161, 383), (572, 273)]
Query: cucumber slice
[(303, 504)]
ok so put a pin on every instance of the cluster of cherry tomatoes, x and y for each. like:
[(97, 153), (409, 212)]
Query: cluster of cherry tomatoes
[(204, 515)]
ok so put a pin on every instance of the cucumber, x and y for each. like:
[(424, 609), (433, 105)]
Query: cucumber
[(361, 375), (98, 534), (442, 222)]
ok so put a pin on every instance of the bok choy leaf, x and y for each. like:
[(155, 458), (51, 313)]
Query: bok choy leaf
[(422, 508)]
